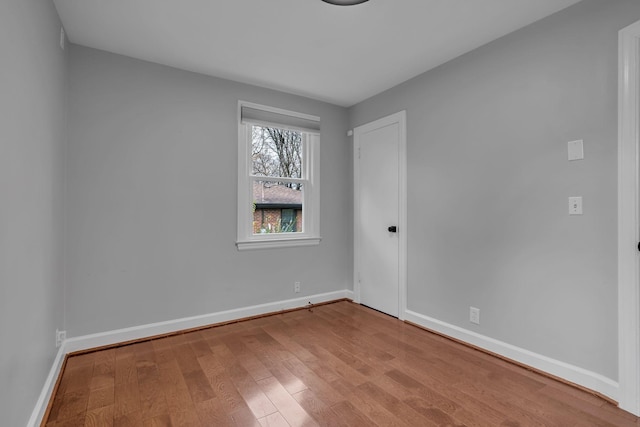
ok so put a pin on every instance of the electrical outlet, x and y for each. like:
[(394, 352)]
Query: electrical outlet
[(474, 315), (296, 287), (60, 337)]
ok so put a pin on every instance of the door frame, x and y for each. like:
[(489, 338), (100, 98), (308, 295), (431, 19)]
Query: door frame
[(401, 119), (628, 219)]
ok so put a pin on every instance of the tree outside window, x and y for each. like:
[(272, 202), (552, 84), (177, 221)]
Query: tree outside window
[(276, 153), (278, 178)]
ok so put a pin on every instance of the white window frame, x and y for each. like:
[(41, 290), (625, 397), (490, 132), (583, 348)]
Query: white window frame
[(310, 234)]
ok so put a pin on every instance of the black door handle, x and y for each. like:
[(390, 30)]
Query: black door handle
[(393, 229)]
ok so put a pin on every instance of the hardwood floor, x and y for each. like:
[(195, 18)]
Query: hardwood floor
[(339, 364)]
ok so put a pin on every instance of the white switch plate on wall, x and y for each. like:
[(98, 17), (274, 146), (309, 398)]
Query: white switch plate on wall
[(575, 205), (576, 150)]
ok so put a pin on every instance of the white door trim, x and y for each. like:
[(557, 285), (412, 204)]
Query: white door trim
[(401, 119), (628, 230)]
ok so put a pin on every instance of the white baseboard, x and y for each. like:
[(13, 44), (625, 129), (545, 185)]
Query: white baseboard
[(87, 342), (138, 332), (574, 374), (47, 390)]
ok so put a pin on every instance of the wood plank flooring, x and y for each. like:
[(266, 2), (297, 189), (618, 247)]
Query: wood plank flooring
[(339, 364)]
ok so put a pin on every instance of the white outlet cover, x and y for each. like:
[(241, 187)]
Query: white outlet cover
[(61, 336), (474, 315)]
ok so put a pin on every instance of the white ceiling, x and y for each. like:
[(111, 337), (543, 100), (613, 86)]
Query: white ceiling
[(339, 54)]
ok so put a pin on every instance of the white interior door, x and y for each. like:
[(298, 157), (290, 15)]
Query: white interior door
[(628, 391), (378, 211)]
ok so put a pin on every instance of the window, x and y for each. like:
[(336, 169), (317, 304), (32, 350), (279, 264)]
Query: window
[(278, 181)]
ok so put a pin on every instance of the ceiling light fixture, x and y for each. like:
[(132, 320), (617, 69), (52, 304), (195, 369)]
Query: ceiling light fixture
[(344, 2)]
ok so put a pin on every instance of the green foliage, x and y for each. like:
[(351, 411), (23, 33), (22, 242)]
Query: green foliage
[(278, 227)]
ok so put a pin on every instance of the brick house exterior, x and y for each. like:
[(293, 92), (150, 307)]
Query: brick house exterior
[(276, 207)]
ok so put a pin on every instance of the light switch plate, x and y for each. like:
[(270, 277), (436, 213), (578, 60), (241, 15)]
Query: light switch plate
[(576, 150), (575, 205)]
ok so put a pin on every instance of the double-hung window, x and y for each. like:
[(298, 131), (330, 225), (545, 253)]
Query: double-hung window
[(278, 178)]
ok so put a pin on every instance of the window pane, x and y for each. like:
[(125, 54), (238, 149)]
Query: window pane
[(277, 207), (288, 217), (276, 152)]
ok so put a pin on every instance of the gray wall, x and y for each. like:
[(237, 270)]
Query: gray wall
[(488, 182), (32, 135), (151, 185)]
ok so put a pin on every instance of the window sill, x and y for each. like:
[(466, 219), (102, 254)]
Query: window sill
[(278, 243)]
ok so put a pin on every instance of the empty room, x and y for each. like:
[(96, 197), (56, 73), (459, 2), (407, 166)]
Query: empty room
[(320, 212)]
